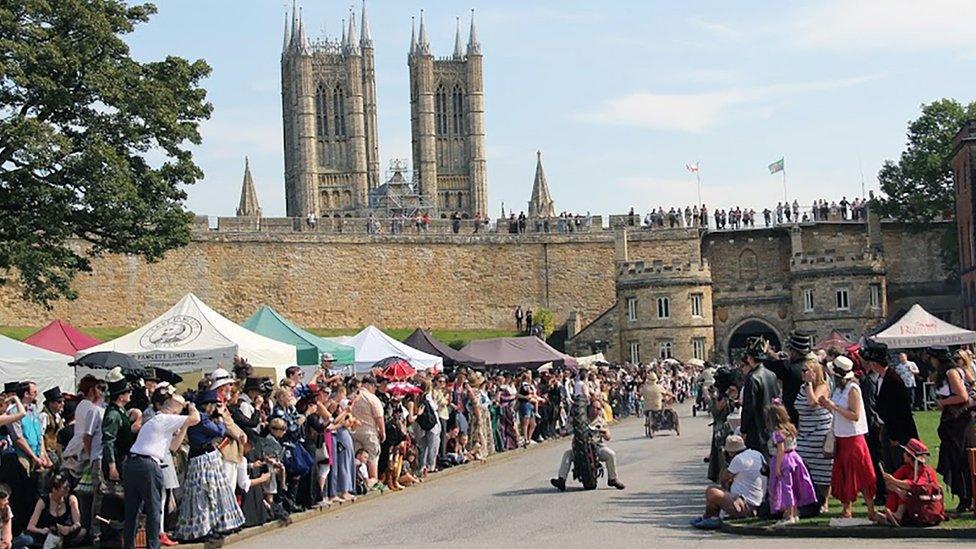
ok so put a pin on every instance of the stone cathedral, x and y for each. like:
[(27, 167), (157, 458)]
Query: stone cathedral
[(328, 93)]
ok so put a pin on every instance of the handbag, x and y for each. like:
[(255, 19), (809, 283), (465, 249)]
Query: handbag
[(830, 441)]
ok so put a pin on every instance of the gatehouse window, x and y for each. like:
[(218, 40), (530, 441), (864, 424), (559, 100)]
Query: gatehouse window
[(696, 305), (632, 309), (808, 300), (843, 299), (665, 349), (698, 348), (663, 308), (875, 296), (634, 352)]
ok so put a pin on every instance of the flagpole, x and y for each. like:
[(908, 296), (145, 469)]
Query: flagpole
[(698, 178), (785, 195)]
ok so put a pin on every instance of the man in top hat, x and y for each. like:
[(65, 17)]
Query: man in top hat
[(788, 367), (119, 429), (759, 388), (890, 420), (54, 422), (914, 470)]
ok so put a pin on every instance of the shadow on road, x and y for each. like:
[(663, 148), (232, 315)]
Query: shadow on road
[(526, 492), (667, 509)]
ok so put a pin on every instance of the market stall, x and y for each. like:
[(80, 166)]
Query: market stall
[(511, 353), (310, 347), (424, 341), (372, 345), (919, 328), (21, 362), (61, 337)]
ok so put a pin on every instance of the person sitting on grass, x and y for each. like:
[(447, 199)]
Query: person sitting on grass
[(743, 486), (913, 471)]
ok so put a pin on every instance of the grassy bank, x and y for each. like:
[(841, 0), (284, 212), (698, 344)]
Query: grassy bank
[(455, 338)]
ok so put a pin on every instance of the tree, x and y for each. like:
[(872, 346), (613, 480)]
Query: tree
[(93, 152), (919, 186), (546, 320)]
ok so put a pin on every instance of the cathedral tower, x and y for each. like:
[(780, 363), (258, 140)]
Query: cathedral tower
[(447, 121), (328, 96)]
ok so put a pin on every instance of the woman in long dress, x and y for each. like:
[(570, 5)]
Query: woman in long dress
[(957, 431), (814, 426)]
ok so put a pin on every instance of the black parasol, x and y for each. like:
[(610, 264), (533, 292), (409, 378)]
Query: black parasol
[(106, 360)]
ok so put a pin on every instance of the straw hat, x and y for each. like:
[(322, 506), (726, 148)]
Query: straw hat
[(843, 367), (220, 378), (734, 444)]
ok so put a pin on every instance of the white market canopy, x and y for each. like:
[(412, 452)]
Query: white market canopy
[(22, 362), (919, 328), (192, 337), (372, 345)]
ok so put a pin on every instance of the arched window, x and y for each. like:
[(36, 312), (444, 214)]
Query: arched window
[(440, 111), (460, 197), (457, 112), (339, 111), (321, 112), (748, 265)]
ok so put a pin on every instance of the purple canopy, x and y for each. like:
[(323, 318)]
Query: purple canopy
[(511, 353), (424, 341)]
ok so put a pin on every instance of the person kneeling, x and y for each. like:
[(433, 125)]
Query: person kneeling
[(601, 435), (744, 481)]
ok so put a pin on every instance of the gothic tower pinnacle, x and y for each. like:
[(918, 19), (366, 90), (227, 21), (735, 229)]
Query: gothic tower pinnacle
[(248, 206), (540, 203)]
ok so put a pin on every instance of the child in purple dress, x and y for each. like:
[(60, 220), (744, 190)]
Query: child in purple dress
[(789, 481)]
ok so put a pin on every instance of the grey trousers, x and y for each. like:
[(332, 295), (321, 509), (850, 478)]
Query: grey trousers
[(603, 452), (428, 443), (142, 479)]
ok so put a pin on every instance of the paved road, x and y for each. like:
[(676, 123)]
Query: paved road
[(510, 503)]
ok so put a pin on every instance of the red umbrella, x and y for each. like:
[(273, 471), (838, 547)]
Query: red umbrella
[(401, 388), (396, 369)]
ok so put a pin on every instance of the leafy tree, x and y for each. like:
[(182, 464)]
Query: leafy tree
[(93, 143), (919, 186), (545, 320)]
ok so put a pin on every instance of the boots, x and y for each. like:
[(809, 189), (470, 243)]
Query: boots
[(559, 483), (613, 482)]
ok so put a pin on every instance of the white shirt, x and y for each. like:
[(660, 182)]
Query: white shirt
[(88, 421), (156, 435), (748, 481), (843, 427)]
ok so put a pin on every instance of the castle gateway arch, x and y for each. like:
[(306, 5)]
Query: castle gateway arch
[(748, 328)]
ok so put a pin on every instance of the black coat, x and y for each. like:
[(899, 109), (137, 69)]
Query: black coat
[(894, 408), (791, 375), (758, 389)]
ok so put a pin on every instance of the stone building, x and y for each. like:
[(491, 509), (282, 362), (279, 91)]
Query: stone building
[(328, 101), (447, 121), (726, 286), (964, 177)]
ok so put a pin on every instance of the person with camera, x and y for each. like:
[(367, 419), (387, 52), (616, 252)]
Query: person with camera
[(209, 508), (142, 475)]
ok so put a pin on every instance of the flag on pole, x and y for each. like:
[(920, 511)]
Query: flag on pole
[(693, 168), (777, 166)]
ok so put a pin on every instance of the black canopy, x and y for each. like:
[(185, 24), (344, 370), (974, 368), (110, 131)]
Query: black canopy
[(424, 341)]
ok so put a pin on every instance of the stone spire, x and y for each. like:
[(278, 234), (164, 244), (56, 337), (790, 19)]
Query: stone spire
[(540, 205), (249, 197), (413, 36), (287, 39), (423, 45), (345, 35), (474, 47), (458, 52), (302, 42), (352, 46), (367, 39)]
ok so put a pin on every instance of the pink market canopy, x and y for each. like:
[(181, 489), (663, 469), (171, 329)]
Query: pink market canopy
[(918, 328)]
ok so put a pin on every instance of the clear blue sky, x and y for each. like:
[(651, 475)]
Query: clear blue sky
[(618, 96)]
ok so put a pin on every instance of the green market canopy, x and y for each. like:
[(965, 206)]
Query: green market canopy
[(267, 322)]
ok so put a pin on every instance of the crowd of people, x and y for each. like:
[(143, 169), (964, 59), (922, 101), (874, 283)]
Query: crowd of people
[(792, 428), (735, 218), (240, 451)]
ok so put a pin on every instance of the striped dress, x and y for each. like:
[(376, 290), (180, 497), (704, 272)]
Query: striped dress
[(815, 423)]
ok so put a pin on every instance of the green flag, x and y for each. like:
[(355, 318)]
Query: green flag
[(777, 166)]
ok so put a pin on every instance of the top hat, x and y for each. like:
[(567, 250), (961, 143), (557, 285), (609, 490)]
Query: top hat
[(116, 388), (800, 342), (252, 384), (53, 395), (11, 386), (874, 351)]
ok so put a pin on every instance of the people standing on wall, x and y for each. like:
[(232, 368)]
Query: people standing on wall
[(528, 319), (519, 315)]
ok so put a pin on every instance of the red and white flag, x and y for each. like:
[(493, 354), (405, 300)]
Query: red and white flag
[(693, 168)]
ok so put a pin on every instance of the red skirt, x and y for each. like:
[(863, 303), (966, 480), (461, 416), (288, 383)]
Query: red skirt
[(853, 471)]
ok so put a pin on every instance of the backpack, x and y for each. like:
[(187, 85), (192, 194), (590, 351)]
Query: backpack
[(924, 502), (427, 418)]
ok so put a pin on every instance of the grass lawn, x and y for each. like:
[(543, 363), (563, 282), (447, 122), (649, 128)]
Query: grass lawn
[(455, 338), (928, 424)]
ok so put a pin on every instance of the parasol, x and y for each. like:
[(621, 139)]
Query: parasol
[(106, 360), (401, 388), (396, 368)]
